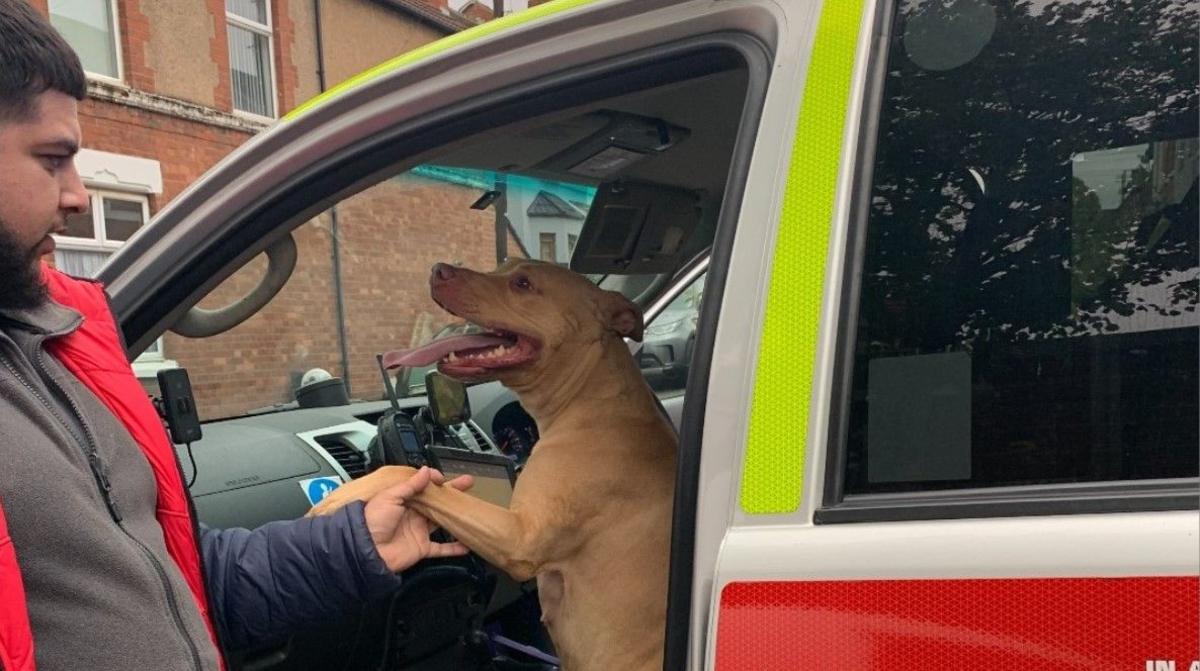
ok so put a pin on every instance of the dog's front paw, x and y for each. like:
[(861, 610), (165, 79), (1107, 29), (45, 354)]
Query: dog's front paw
[(362, 489)]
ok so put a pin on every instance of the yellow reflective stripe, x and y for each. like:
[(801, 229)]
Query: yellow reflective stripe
[(774, 470), (433, 48)]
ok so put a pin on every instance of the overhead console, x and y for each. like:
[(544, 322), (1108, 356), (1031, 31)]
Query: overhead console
[(626, 139)]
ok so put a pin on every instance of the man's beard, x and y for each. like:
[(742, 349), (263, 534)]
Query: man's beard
[(21, 285)]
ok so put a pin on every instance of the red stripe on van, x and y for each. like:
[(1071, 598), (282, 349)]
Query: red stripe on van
[(1056, 624)]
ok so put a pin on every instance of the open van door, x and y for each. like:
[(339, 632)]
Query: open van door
[(938, 398), (958, 344)]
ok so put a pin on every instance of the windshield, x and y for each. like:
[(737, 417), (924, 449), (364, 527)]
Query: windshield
[(544, 189), (543, 217), (387, 238)]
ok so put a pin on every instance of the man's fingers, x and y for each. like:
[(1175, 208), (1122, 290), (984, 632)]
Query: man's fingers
[(462, 483), (455, 549)]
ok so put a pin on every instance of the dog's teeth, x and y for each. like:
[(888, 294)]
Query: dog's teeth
[(453, 357)]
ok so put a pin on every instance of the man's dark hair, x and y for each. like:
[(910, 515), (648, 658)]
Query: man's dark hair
[(33, 58)]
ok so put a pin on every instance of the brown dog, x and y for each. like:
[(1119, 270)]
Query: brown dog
[(591, 512)]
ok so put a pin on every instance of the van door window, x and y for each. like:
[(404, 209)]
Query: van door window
[(1028, 305), (521, 192), (666, 353)]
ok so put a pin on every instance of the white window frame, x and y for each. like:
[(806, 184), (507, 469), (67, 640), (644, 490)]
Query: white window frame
[(116, 38), (148, 363), (268, 30), (100, 241), (553, 240)]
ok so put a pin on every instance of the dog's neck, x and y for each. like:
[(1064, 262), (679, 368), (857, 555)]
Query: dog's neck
[(585, 385)]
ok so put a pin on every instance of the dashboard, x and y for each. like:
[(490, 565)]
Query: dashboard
[(257, 469), (250, 470)]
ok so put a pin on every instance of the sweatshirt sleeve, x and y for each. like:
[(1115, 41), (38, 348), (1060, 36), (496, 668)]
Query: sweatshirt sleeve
[(265, 583)]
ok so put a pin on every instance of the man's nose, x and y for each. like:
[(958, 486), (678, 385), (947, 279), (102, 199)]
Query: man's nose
[(442, 272), (74, 196)]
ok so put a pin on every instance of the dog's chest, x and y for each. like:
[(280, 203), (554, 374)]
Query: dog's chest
[(550, 594)]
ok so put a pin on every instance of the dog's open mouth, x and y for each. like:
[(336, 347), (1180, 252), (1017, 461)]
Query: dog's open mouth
[(469, 354)]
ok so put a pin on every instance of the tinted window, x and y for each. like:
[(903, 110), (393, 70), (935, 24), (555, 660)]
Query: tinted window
[(1028, 311), (666, 353)]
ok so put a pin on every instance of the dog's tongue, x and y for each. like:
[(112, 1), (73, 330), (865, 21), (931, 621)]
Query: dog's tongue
[(434, 351)]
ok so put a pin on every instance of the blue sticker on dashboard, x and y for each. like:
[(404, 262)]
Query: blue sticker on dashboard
[(318, 488)]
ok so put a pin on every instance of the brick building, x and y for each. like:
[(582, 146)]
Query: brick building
[(174, 86)]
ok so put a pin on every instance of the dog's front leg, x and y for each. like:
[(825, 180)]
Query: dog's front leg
[(362, 489), (513, 541)]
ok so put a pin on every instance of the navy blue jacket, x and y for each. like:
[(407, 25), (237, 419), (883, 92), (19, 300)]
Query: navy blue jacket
[(264, 584)]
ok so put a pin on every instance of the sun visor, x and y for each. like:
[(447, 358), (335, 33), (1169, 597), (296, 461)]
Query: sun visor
[(635, 228)]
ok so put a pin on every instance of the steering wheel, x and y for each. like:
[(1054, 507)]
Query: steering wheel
[(434, 619)]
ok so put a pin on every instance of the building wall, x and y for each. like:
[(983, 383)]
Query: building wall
[(358, 34), (391, 235), (175, 101), (287, 75), (173, 105), (355, 35), (169, 36), (184, 149), (302, 17)]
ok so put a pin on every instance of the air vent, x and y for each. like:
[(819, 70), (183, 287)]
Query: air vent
[(480, 439), (482, 444), (350, 459)]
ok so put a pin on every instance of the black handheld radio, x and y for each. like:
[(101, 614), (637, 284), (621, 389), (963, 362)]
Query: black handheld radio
[(398, 436)]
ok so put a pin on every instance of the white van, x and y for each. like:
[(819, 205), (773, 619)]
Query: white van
[(937, 398)]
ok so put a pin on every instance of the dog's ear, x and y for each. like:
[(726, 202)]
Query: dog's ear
[(621, 315)]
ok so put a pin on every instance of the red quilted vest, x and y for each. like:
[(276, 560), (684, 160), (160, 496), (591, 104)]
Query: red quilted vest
[(94, 354)]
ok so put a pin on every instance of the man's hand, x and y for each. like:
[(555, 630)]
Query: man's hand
[(401, 534)]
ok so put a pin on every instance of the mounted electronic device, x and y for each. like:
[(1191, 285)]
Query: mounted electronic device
[(449, 408), (177, 407), (447, 399), (399, 440)]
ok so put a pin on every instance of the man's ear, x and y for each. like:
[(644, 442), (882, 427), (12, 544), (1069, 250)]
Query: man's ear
[(621, 315)]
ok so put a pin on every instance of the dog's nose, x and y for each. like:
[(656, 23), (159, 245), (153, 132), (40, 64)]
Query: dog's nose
[(442, 272)]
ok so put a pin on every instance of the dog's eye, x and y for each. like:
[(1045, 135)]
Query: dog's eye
[(521, 282)]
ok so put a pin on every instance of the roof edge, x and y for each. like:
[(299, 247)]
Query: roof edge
[(428, 15)]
